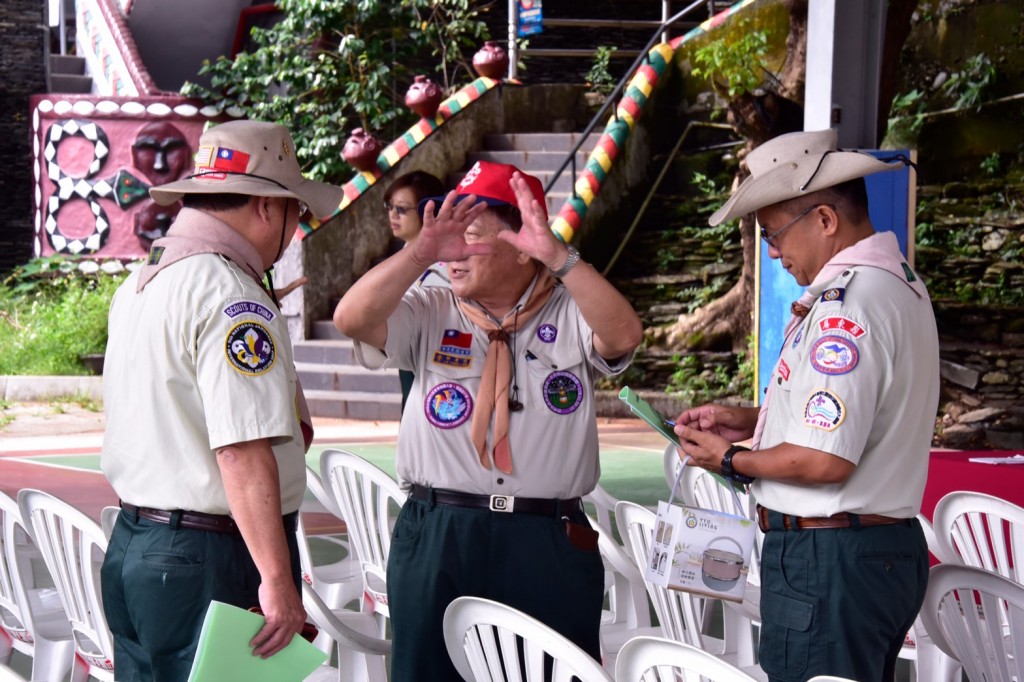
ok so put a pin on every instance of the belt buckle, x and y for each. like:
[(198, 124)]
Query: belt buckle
[(502, 503)]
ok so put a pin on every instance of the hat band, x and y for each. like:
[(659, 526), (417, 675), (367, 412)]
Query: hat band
[(248, 175)]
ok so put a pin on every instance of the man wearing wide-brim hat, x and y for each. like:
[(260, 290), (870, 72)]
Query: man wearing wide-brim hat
[(206, 423), (840, 444)]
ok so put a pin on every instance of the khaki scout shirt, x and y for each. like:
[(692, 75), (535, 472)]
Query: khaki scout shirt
[(859, 380), (553, 438), (198, 360)]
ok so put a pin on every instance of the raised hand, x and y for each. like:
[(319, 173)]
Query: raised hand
[(535, 239), (442, 238)]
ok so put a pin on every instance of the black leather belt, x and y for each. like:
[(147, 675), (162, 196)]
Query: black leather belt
[(505, 504), (840, 520), (213, 523)]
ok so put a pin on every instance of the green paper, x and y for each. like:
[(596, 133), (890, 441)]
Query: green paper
[(224, 654)]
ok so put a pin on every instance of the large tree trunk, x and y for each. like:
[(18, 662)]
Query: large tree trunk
[(728, 320)]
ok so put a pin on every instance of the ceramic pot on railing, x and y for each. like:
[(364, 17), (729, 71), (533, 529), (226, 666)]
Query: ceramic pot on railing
[(361, 150), (491, 61), (423, 97)]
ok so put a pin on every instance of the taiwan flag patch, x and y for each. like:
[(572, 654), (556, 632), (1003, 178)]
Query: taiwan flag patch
[(230, 160)]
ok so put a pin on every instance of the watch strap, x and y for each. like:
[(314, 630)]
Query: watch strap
[(727, 469), (570, 262)]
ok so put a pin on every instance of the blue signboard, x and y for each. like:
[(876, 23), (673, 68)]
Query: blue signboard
[(530, 17), (888, 201)]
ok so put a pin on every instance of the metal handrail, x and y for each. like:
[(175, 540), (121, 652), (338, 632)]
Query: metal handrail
[(616, 94)]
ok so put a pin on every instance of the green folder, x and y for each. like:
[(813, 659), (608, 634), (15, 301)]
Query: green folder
[(643, 409), (224, 654)]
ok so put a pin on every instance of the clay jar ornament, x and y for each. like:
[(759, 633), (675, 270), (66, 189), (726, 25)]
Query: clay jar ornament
[(423, 97), (361, 150), (491, 61)]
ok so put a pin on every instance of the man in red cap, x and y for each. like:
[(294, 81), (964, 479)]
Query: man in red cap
[(498, 440)]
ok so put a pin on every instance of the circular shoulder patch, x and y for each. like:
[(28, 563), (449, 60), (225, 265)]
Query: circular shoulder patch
[(563, 392), (834, 355), (824, 410), (448, 405), (547, 333), (250, 348)]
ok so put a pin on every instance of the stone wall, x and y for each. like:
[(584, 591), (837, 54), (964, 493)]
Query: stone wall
[(22, 55)]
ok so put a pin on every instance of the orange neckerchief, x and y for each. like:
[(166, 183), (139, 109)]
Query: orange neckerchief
[(492, 396)]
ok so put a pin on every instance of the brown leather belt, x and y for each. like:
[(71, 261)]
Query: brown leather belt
[(506, 504), (213, 523), (840, 520)]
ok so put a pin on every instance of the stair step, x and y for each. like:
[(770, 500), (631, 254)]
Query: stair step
[(67, 64), (325, 329), (538, 142), (329, 377), (355, 405), (68, 83), (533, 160), (324, 351)]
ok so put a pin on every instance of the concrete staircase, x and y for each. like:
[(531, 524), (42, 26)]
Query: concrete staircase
[(337, 386), (334, 384), (67, 74)]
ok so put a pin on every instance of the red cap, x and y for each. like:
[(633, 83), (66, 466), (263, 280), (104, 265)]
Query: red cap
[(489, 181)]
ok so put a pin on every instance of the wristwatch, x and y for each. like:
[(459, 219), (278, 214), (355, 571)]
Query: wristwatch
[(570, 262), (727, 469)]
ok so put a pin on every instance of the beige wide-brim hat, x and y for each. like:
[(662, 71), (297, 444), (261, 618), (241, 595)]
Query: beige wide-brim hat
[(793, 165), (254, 158)]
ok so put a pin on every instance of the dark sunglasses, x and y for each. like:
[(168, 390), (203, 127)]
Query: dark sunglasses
[(400, 210)]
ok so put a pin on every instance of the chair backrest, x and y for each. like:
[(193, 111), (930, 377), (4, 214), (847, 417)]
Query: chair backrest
[(315, 484), (108, 517), (627, 594), (369, 501), (15, 612), (679, 613), (72, 546), (491, 641), (654, 658), (604, 506), (982, 531), (977, 617)]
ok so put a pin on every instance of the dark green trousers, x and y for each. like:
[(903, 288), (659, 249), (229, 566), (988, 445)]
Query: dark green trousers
[(839, 601), (157, 584), (442, 552)]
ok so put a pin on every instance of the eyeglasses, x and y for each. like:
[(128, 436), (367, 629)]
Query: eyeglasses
[(400, 210), (770, 238), (303, 207)]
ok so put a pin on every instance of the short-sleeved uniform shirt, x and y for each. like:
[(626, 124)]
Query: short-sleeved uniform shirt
[(860, 380), (553, 438), (199, 359)]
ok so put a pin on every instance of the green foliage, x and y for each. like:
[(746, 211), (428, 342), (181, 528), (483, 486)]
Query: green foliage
[(906, 116), (599, 79), (51, 314), (968, 85), (329, 67), (695, 383), (992, 164), (735, 67)]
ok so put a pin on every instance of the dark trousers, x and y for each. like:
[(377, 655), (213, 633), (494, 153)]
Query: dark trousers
[(157, 584), (442, 552), (840, 601)]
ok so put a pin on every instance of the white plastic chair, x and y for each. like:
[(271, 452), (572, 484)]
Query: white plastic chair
[(679, 613), (32, 618), (977, 617), (647, 659), (8, 675), (338, 582), (108, 518), (983, 531), (491, 641), (72, 546), (369, 501), (360, 650)]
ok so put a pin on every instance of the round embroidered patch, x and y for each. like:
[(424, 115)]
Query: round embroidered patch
[(824, 410), (448, 405), (563, 392), (547, 333), (799, 337), (250, 348), (834, 355)]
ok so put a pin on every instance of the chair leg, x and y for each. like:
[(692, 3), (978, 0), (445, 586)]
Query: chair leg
[(6, 647), (933, 664), (52, 660)]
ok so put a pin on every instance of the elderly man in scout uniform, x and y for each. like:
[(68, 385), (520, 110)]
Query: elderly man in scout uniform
[(204, 443), (498, 441), (841, 442)]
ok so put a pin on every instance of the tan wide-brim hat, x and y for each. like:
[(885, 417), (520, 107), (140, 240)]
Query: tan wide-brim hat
[(254, 158), (793, 165)]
